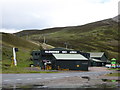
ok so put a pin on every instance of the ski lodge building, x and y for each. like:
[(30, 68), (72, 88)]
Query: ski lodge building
[(61, 59), (64, 59)]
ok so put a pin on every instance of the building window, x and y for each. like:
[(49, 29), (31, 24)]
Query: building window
[(36, 54), (78, 65)]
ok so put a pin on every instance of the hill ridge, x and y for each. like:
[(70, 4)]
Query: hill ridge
[(96, 36)]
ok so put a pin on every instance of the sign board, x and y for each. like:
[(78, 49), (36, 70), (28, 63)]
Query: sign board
[(16, 49), (64, 52)]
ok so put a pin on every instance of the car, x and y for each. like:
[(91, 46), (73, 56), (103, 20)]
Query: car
[(108, 65), (117, 66)]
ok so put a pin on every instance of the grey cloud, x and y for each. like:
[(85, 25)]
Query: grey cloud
[(21, 16), (24, 21), (39, 14)]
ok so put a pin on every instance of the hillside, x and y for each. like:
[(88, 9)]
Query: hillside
[(12, 40), (92, 37), (34, 31), (23, 55)]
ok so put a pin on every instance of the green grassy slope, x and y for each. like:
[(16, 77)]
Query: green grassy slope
[(34, 31), (23, 55), (12, 40), (92, 37)]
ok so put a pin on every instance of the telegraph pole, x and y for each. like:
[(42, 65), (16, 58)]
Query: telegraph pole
[(66, 45), (44, 39)]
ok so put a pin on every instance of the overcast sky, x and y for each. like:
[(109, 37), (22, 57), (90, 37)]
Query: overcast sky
[(40, 14)]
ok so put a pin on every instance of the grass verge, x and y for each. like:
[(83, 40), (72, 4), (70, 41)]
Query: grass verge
[(114, 74), (24, 70)]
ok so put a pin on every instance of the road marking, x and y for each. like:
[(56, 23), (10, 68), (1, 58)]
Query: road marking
[(29, 78), (18, 79), (46, 78), (54, 77), (38, 78), (6, 80), (61, 76), (67, 76)]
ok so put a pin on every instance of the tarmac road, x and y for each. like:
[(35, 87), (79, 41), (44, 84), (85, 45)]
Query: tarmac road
[(26, 79)]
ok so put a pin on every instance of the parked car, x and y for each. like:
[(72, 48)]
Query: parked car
[(108, 65), (117, 66)]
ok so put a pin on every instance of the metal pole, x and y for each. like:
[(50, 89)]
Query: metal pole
[(44, 39), (66, 45), (45, 65)]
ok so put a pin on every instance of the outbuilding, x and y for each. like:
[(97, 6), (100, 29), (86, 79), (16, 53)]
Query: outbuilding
[(61, 59), (98, 59)]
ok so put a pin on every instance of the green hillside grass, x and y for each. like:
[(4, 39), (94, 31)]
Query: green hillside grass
[(25, 47), (12, 40), (23, 55), (23, 58), (34, 31), (93, 37)]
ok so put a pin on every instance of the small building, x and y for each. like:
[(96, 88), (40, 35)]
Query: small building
[(60, 59), (98, 59)]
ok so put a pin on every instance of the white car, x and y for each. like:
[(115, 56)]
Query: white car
[(108, 65)]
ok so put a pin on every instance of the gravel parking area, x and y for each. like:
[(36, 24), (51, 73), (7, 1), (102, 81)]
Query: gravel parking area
[(92, 81), (94, 78)]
